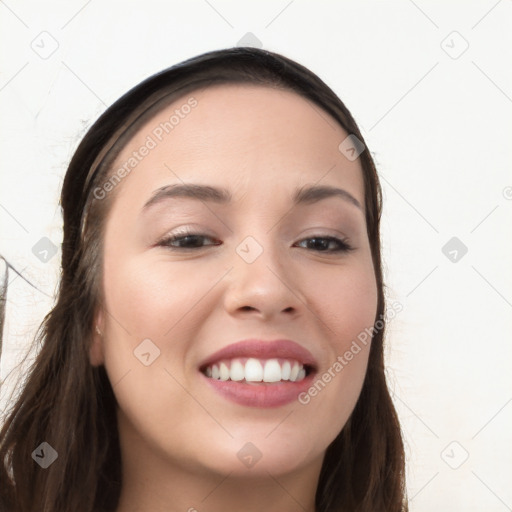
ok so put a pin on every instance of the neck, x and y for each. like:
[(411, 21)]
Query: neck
[(185, 493)]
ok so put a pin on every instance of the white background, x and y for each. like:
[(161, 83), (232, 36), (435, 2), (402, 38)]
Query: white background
[(437, 118)]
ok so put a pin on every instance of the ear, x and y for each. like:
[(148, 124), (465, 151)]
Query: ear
[(96, 356)]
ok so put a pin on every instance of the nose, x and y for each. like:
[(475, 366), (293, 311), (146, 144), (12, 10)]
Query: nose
[(261, 283)]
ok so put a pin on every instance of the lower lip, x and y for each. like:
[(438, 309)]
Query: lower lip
[(260, 394)]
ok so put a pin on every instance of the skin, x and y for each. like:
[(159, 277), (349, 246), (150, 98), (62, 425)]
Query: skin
[(179, 438)]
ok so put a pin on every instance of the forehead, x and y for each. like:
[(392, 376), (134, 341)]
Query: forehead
[(241, 132)]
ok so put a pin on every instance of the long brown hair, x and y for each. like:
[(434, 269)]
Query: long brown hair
[(70, 404)]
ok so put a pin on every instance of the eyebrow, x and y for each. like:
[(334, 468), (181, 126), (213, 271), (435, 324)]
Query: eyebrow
[(308, 194)]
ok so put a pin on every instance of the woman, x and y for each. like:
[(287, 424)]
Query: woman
[(217, 340)]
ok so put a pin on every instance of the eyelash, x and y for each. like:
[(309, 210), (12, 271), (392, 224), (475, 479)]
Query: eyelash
[(343, 244)]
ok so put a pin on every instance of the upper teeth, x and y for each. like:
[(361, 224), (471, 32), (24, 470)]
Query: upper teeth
[(257, 370)]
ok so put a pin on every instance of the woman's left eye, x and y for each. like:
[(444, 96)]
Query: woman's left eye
[(192, 241), (342, 245)]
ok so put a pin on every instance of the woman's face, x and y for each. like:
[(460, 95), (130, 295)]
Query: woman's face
[(259, 266)]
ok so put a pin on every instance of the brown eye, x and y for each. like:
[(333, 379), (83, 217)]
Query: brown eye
[(188, 240), (322, 243), (185, 240)]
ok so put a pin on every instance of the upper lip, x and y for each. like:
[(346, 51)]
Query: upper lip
[(281, 348)]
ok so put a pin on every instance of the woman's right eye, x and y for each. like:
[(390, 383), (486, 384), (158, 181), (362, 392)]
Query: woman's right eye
[(188, 240)]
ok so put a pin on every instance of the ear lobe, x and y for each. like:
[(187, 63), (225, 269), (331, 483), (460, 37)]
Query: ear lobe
[(96, 356)]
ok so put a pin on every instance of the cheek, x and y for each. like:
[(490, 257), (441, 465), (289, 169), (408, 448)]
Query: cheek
[(347, 306), (144, 303), (345, 300), (353, 306), (148, 300), (156, 301)]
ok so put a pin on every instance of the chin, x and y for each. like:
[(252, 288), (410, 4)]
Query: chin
[(258, 455)]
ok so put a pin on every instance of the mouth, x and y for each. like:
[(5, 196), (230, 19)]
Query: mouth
[(258, 373), (255, 370)]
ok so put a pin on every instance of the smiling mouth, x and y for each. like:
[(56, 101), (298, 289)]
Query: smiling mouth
[(258, 371)]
